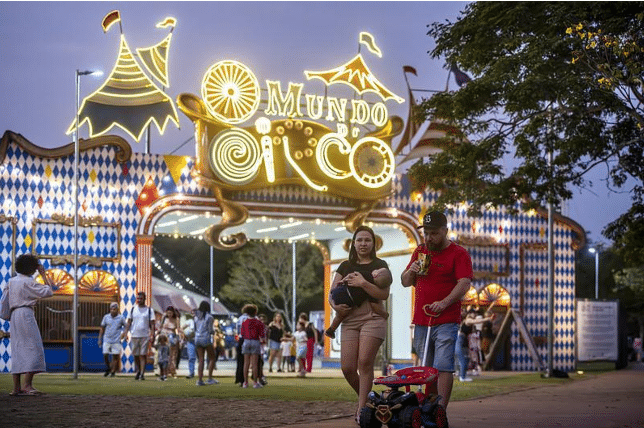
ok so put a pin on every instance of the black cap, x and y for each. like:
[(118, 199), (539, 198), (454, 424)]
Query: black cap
[(434, 220)]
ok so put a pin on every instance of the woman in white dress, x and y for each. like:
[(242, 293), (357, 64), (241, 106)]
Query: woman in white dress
[(27, 352)]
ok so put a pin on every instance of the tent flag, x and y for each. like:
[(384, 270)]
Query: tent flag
[(111, 18), (411, 127)]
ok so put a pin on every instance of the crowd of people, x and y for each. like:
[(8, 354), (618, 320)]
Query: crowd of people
[(439, 269)]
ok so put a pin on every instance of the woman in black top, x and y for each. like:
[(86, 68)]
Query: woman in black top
[(363, 330), (275, 333)]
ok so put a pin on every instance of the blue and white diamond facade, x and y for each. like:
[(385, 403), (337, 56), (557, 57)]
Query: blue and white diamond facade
[(35, 187)]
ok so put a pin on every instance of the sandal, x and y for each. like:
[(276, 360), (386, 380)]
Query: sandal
[(32, 392), (15, 394)]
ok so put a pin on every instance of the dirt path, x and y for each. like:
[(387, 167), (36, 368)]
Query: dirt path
[(110, 411)]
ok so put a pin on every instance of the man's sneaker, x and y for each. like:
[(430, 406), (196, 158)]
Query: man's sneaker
[(190, 376), (112, 374), (465, 379), (107, 373), (440, 417), (142, 376), (138, 376), (263, 381), (257, 385), (245, 385), (212, 381), (200, 383)]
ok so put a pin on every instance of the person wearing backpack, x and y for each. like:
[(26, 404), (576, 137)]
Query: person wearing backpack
[(141, 321)]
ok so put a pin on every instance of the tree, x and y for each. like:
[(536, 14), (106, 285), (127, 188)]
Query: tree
[(530, 95), (261, 273), (618, 60), (630, 283)]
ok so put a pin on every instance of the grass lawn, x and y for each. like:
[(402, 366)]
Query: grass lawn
[(282, 388)]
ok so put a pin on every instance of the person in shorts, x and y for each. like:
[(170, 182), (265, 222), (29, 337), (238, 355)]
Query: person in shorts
[(109, 338), (141, 321), (363, 330), (437, 306), (252, 330)]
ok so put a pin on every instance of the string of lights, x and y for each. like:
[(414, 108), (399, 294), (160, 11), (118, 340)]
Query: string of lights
[(186, 281)]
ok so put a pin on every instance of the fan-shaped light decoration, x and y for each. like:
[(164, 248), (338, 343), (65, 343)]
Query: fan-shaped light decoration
[(230, 91), (494, 293), (471, 297), (98, 281), (61, 282)]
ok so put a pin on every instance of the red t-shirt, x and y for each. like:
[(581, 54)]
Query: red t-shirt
[(446, 268), (252, 329)]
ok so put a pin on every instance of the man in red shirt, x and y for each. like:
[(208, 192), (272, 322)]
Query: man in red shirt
[(440, 282)]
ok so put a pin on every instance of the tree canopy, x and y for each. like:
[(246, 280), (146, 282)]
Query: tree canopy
[(261, 273), (540, 84)]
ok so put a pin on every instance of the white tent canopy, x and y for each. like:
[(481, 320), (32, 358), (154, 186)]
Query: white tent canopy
[(164, 295)]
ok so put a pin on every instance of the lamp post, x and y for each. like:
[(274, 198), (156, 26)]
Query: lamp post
[(595, 251), (76, 155)]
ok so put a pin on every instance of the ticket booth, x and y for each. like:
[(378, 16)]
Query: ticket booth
[(96, 290)]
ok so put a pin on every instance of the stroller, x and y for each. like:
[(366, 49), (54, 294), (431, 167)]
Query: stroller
[(405, 409)]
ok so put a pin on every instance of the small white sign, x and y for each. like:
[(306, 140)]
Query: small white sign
[(597, 330)]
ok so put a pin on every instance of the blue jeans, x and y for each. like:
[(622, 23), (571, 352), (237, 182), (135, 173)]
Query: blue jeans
[(442, 340), (192, 357), (462, 354)]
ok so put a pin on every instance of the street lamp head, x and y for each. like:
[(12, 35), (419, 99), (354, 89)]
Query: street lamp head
[(592, 250), (89, 73)]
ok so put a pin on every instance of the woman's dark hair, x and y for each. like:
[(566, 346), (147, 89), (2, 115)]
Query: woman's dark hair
[(27, 264), (304, 316), (353, 254), (204, 307)]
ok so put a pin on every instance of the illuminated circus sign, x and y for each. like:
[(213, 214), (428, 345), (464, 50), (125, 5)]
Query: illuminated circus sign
[(252, 136)]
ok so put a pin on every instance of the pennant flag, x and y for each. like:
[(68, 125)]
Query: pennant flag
[(367, 40), (175, 164), (110, 19), (460, 77), (168, 22), (409, 69)]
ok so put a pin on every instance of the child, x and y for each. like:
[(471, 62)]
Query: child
[(285, 346), (301, 340), (354, 296), (252, 330), (291, 360), (163, 352)]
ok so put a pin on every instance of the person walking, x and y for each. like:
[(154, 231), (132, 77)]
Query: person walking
[(109, 339), (442, 276), (362, 330), (171, 328), (20, 296), (188, 329), (219, 341), (163, 352), (141, 321), (204, 332), (311, 340)]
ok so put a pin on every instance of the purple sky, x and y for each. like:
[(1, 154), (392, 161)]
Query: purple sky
[(43, 43)]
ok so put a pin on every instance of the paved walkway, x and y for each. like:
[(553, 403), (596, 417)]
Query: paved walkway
[(609, 400)]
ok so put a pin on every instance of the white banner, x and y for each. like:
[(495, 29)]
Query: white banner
[(597, 330)]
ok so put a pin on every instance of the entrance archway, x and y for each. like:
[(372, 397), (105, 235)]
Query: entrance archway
[(192, 215)]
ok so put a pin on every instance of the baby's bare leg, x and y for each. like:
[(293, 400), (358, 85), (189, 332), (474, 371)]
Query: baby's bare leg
[(335, 323)]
